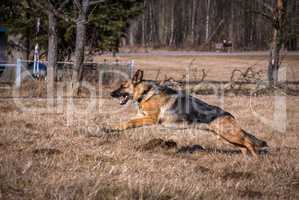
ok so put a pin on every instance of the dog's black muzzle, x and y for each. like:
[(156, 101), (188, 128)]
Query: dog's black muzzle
[(122, 96), (116, 93)]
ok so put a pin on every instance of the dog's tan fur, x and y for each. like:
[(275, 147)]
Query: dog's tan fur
[(155, 104)]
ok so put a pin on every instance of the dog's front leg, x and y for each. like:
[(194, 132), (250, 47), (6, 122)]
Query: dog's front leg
[(138, 122)]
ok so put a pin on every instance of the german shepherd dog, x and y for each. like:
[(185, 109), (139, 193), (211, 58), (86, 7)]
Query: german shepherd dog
[(159, 104)]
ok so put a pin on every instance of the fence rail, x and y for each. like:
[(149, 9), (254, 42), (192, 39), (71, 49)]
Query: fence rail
[(24, 68)]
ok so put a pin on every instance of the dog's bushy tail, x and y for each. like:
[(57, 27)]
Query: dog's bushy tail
[(255, 141)]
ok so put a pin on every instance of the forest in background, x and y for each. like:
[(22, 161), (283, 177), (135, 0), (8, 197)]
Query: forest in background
[(77, 28), (199, 24)]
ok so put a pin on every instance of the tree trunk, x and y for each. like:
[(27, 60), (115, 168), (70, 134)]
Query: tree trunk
[(151, 22), (27, 45), (80, 44), (231, 26), (132, 29), (79, 53), (143, 26), (52, 53), (193, 21), (171, 27), (279, 19), (273, 65), (207, 20)]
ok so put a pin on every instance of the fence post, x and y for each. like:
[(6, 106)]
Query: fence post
[(18, 73)]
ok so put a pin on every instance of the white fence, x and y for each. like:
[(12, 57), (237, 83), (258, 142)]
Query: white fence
[(15, 68), (23, 69)]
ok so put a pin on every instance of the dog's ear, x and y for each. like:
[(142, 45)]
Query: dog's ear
[(138, 76)]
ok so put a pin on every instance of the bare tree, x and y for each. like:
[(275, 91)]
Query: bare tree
[(208, 5), (231, 30), (80, 42), (81, 22), (279, 14), (199, 23), (193, 15), (132, 30), (53, 13)]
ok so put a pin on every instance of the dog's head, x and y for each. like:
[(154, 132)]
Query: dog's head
[(131, 89)]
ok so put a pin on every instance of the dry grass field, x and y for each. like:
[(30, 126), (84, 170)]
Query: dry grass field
[(217, 67), (60, 152)]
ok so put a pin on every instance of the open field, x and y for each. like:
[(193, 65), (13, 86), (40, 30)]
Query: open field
[(62, 153), (217, 65)]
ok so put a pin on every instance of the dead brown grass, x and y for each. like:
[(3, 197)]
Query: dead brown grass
[(43, 158), (217, 67), (52, 154)]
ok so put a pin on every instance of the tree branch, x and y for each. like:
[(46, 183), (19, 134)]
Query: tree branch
[(96, 2), (64, 17), (265, 5), (51, 6), (62, 5), (17, 45), (262, 14), (39, 5), (78, 5)]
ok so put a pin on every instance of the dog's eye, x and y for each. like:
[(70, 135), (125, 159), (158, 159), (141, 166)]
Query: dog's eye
[(124, 85)]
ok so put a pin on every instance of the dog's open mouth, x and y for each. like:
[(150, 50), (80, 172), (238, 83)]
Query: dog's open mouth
[(124, 99), (122, 96)]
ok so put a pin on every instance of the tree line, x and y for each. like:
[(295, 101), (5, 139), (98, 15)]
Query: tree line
[(70, 27), (199, 24)]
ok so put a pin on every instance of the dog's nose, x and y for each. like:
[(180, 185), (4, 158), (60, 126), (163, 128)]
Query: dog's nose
[(113, 94)]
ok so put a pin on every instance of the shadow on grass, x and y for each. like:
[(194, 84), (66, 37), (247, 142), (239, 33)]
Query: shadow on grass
[(160, 144)]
